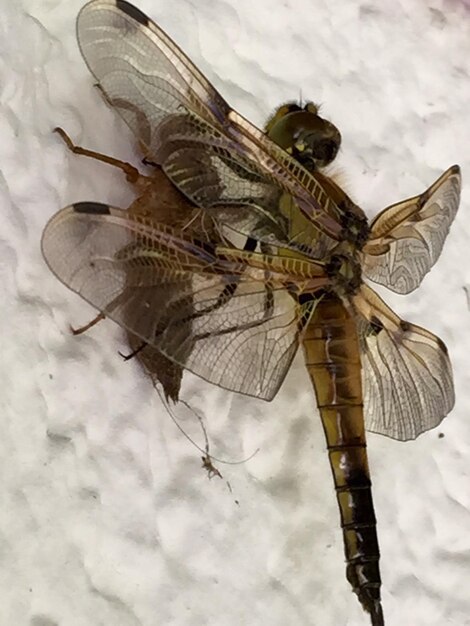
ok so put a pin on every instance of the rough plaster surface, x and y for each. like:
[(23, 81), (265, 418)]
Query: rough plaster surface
[(106, 515)]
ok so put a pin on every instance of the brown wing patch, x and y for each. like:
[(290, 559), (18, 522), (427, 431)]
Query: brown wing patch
[(224, 314)]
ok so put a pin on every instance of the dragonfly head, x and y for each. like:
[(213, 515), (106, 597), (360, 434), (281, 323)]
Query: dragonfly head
[(311, 140)]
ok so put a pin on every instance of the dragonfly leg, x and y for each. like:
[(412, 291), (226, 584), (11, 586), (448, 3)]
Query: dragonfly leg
[(131, 355), (83, 329), (132, 173)]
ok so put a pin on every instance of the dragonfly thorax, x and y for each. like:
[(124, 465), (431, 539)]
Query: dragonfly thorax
[(355, 226), (345, 272)]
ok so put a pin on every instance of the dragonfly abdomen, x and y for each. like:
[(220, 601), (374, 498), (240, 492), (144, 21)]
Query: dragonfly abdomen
[(333, 361)]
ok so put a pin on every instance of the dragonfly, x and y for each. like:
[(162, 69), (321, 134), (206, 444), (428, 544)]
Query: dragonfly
[(271, 256)]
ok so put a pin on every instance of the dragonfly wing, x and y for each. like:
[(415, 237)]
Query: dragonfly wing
[(406, 371), (133, 59), (235, 327), (406, 239), (216, 157)]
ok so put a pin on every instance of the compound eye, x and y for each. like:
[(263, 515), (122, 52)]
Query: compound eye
[(327, 150)]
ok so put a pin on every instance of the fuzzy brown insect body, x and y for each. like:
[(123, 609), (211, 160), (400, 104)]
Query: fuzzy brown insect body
[(162, 202)]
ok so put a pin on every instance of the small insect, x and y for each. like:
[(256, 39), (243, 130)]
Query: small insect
[(177, 278), (159, 200)]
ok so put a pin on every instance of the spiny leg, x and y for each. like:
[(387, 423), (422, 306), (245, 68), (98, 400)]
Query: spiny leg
[(132, 173), (83, 329), (134, 353)]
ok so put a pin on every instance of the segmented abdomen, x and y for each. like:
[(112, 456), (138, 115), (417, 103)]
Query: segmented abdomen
[(333, 361)]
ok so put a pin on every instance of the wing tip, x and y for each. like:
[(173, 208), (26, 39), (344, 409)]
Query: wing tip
[(132, 11), (442, 346), (91, 208)]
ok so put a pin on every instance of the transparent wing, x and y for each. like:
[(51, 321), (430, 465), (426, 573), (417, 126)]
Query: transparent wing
[(216, 157), (406, 239), (231, 323), (406, 371)]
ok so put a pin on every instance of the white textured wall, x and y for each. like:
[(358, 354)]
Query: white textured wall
[(106, 517)]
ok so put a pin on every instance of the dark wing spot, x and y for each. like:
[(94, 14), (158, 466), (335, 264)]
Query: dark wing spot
[(405, 326), (424, 197), (94, 208), (375, 325), (441, 345), (250, 244), (132, 11)]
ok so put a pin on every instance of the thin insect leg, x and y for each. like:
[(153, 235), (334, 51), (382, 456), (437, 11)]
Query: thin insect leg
[(101, 316), (134, 353), (83, 329), (149, 163), (131, 172), (230, 288), (206, 459), (227, 292)]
